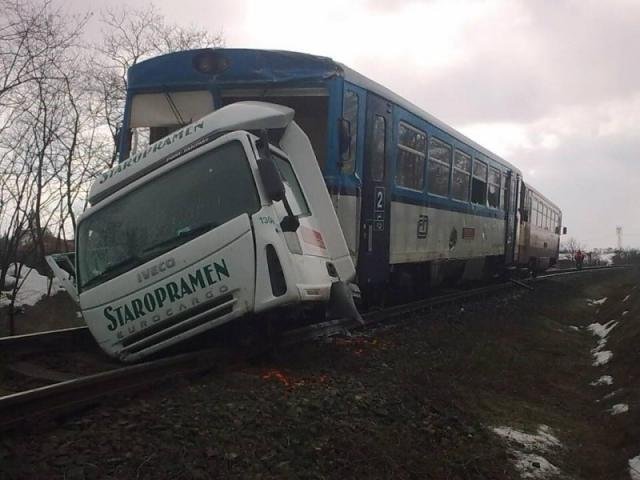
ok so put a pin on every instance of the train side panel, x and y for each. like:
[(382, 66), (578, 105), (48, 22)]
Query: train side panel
[(447, 235)]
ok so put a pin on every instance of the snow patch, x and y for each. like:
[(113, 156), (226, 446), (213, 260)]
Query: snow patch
[(607, 258), (602, 357), (612, 394), (526, 448), (625, 313), (573, 327), (592, 302), (33, 288), (600, 330), (541, 440), (603, 380), (531, 465), (619, 408), (634, 468), (624, 300)]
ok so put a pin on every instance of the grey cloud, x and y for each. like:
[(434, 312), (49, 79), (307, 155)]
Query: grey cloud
[(594, 180), (386, 6), (519, 69)]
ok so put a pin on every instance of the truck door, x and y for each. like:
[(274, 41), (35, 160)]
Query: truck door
[(373, 254), (63, 267)]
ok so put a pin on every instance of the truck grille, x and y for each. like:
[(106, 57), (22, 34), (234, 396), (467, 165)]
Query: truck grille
[(178, 324)]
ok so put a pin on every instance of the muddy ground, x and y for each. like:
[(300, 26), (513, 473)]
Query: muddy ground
[(55, 312), (416, 399)]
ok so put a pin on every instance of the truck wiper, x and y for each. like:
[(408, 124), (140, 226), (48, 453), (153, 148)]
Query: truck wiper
[(114, 269), (174, 109)]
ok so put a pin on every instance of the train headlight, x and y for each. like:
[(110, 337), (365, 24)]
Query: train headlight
[(210, 62)]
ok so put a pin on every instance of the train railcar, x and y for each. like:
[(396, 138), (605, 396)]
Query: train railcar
[(418, 202), (540, 230), (203, 226)]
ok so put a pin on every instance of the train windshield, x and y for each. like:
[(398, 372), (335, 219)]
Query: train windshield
[(310, 104), (163, 214)]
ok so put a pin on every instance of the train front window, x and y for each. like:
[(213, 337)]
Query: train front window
[(164, 213), (310, 104), (156, 115)]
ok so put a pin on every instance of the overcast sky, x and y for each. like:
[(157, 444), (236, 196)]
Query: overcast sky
[(552, 86)]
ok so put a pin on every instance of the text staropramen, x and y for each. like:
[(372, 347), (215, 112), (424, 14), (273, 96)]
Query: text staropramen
[(167, 296)]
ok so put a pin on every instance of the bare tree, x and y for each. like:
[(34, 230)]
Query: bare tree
[(36, 43), (572, 245), (60, 107), (129, 36)]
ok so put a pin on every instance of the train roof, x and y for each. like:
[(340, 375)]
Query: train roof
[(543, 197), (373, 86), (251, 66)]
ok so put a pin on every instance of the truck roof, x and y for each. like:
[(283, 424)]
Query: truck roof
[(237, 116)]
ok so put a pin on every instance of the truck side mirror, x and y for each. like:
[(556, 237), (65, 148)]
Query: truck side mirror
[(271, 179), (344, 132), (564, 230), (290, 223)]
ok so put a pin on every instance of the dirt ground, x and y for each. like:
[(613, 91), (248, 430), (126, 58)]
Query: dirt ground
[(52, 313), (418, 399)]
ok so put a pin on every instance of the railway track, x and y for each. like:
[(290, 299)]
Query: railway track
[(65, 397)]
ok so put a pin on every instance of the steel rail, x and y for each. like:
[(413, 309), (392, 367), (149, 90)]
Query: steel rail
[(64, 397), (569, 271), (68, 396)]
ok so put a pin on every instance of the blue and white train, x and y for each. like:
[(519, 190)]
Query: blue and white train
[(395, 199)]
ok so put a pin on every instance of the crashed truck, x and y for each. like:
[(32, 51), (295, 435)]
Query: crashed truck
[(225, 217)]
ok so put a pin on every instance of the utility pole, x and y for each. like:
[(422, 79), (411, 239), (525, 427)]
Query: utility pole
[(619, 235)]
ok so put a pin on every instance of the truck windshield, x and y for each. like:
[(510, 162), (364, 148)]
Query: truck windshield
[(170, 210)]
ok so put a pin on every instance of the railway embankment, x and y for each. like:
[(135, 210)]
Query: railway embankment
[(515, 385)]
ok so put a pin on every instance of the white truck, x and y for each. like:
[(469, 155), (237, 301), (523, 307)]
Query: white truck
[(225, 217)]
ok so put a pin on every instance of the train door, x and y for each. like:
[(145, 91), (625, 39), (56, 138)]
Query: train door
[(373, 255), (511, 224)]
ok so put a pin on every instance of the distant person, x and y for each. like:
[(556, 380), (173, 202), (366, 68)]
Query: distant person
[(579, 259)]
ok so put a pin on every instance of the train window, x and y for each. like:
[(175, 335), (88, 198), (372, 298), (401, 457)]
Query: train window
[(503, 191), (461, 176), (411, 156), (350, 113), (439, 167), (494, 188), (378, 148), (540, 214), (533, 213), (546, 218), (479, 183)]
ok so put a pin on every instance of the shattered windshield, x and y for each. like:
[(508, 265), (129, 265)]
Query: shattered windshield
[(178, 206)]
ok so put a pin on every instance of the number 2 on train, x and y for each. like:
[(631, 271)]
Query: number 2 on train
[(379, 199)]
